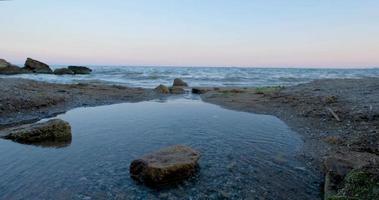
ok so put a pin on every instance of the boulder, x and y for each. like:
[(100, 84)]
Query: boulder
[(162, 89), (166, 166), (4, 63), (37, 66), (53, 130), (177, 90), (180, 83), (8, 69), (80, 69), (62, 71)]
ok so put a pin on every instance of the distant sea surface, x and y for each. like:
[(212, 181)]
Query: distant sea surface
[(150, 77)]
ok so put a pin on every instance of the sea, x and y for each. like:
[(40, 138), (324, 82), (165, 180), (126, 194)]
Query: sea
[(150, 77)]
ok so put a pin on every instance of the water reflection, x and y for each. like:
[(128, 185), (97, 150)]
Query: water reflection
[(244, 156)]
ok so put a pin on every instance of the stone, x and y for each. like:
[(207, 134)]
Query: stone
[(12, 69), (36, 66), (4, 63), (62, 71), (179, 82), (80, 69), (55, 130), (177, 90), (200, 90), (9, 69), (166, 166), (162, 89)]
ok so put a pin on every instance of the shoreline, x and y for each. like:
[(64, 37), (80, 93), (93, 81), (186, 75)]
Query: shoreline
[(338, 119), (25, 101)]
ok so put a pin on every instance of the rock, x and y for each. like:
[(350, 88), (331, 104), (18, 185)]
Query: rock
[(4, 63), (179, 82), (177, 90), (200, 90), (80, 69), (62, 71), (37, 66), (162, 89), (8, 69), (166, 166), (12, 69), (52, 130)]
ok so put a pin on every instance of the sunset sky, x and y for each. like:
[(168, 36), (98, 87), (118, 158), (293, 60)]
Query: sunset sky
[(265, 33)]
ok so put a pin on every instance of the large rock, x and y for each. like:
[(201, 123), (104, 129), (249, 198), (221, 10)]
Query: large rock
[(62, 71), (179, 83), (53, 130), (36, 66), (80, 69), (8, 69), (4, 63), (162, 89), (166, 166)]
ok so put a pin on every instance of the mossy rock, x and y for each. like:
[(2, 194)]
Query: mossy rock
[(359, 184)]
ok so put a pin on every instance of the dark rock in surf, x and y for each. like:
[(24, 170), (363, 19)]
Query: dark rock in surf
[(80, 69), (177, 90), (166, 166), (179, 82), (36, 66), (53, 130), (63, 71), (200, 90), (162, 89)]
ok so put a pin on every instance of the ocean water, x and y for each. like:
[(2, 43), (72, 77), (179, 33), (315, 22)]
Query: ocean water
[(150, 77), (243, 155)]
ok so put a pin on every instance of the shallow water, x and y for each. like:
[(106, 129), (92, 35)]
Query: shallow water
[(150, 77), (244, 155)]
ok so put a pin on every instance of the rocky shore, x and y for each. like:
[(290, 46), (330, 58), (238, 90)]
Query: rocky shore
[(338, 119), (25, 101)]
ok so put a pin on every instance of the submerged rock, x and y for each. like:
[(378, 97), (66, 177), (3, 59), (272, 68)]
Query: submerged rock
[(62, 71), (179, 82), (36, 66), (162, 89), (166, 166), (177, 90), (52, 130), (80, 69)]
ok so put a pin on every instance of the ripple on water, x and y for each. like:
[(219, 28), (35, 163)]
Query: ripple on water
[(244, 155)]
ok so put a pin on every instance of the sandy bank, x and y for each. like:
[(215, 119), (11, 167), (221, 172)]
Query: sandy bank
[(338, 119), (24, 100)]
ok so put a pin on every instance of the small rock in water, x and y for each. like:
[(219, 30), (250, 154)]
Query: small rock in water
[(62, 71), (200, 90), (177, 90), (80, 69), (166, 166), (162, 89), (179, 82), (53, 130)]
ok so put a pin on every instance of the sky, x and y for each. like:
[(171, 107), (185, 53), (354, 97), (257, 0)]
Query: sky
[(244, 33)]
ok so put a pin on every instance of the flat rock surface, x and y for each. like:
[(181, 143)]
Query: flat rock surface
[(165, 166)]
